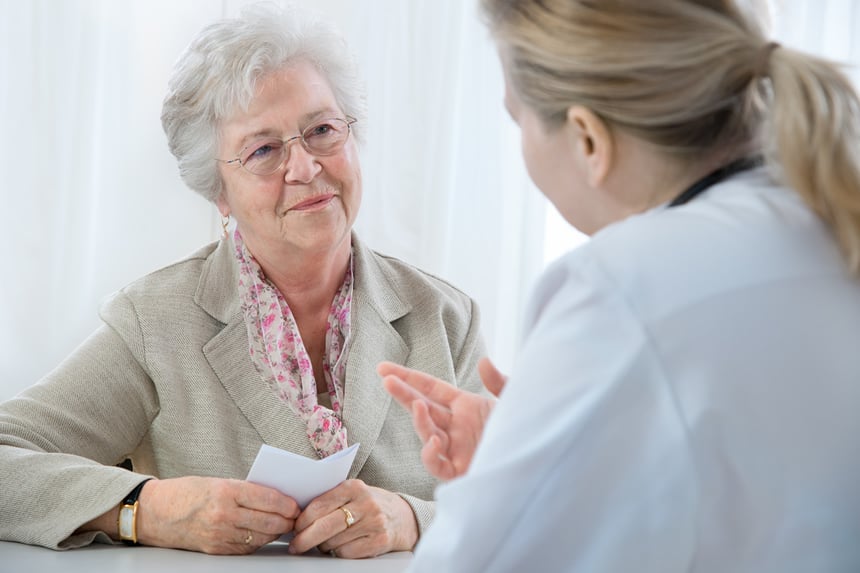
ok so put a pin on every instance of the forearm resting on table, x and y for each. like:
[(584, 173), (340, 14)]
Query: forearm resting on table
[(108, 522)]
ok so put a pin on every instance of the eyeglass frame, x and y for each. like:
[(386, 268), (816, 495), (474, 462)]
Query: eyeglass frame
[(347, 119)]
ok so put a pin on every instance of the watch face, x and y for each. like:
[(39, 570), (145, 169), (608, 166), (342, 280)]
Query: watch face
[(126, 521)]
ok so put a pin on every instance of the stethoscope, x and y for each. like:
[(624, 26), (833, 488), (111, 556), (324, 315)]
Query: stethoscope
[(716, 176)]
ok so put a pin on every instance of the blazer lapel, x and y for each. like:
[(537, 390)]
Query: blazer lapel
[(227, 354), (373, 338), (375, 306)]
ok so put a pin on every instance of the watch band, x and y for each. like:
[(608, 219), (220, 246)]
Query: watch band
[(126, 521)]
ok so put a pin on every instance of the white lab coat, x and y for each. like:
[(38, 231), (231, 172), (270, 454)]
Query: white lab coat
[(687, 398)]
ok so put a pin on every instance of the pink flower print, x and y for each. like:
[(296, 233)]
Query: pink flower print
[(267, 322), (277, 350)]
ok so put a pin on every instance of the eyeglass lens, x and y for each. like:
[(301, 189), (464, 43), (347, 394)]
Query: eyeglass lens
[(264, 156)]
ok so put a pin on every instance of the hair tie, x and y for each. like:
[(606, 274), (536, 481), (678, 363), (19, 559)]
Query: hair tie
[(762, 64)]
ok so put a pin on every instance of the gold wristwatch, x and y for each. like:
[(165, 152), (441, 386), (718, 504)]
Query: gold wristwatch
[(126, 521)]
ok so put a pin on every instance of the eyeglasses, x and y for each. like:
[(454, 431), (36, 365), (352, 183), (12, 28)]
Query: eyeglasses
[(266, 155)]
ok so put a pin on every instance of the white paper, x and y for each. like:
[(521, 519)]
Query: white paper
[(301, 478)]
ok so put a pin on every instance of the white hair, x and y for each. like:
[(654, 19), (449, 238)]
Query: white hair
[(218, 72)]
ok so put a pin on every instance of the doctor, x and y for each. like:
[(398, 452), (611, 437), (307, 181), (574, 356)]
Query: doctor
[(686, 394)]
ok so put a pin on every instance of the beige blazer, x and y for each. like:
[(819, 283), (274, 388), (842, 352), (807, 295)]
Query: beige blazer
[(167, 381)]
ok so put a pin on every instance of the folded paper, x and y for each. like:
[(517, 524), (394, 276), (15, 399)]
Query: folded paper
[(301, 478)]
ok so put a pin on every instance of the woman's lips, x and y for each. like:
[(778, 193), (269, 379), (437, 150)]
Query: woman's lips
[(313, 204)]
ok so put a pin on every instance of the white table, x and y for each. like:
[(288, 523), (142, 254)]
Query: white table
[(16, 557)]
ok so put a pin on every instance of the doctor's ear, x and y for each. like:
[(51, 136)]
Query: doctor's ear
[(593, 142)]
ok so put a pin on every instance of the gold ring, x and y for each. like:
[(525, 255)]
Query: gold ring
[(347, 516), (249, 538)]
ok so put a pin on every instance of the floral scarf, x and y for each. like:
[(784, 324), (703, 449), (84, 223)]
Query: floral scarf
[(279, 354)]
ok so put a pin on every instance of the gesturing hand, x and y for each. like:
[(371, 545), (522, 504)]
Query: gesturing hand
[(356, 520), (213, 515), (448, 420)]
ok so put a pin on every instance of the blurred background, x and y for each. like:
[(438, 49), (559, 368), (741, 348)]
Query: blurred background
[(92, 199)]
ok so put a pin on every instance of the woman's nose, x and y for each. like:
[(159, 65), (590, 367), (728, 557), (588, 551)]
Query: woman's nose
[(302, 165)]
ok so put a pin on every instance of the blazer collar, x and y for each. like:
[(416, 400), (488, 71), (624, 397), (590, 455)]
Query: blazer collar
[(227, 354), (217, 291), (376, 304)]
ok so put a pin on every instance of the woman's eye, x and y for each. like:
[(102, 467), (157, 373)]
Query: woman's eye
[(256, 153), (319, 130), (262, 151)]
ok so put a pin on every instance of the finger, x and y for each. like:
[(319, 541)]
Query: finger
[(386, 368), (408, 397), (402, 392), (245, 541), (432, 388), (344, 536), (435, 461), (269, 500), (493, 379), (424, 424), (358, 548), (329, 502), (323, 530), (263, 522)]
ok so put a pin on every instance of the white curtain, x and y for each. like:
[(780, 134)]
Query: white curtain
[(91, 198), (825, 27)]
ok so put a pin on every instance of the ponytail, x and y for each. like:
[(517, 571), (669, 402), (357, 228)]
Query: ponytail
[(814, 137)]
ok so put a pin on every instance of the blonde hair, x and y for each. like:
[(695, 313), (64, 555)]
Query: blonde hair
[(695, 78)]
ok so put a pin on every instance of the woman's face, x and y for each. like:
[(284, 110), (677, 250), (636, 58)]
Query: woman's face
[(552, 162), (311, 202)]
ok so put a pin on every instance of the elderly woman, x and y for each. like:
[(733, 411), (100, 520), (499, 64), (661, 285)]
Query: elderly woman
[(687, 394), (269, 336)]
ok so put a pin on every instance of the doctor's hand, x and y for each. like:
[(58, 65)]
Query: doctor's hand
[(355, 520), (448, 420)]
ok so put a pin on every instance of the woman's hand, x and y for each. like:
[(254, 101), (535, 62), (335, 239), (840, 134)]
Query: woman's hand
[(212, 515), (448, 420), (382, 522)]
